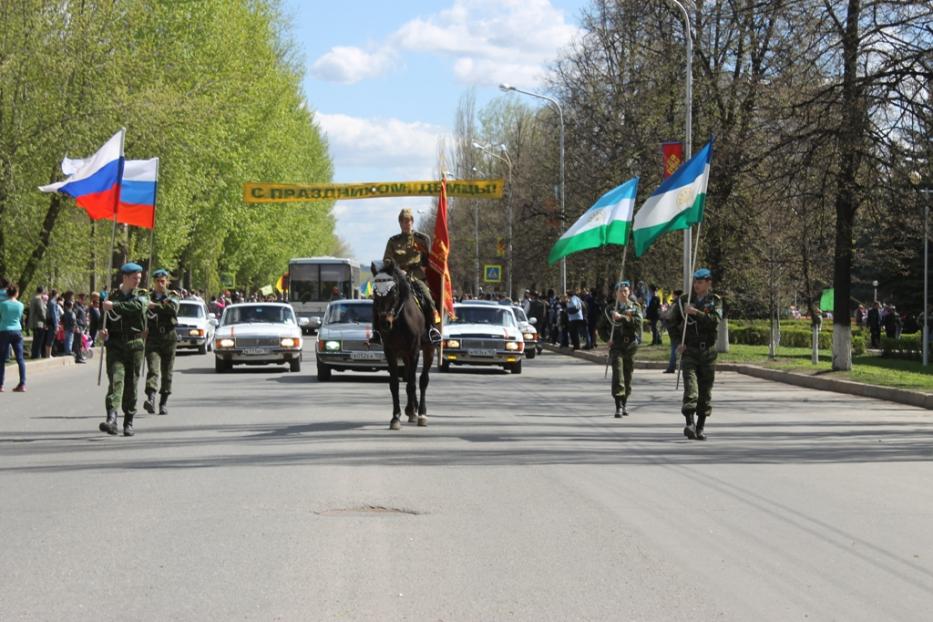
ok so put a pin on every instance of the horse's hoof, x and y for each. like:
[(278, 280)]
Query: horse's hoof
[(422, 421), (395, 425), (411, 418)]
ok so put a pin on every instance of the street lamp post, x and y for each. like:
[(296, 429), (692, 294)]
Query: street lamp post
[(688, 130), (915, 179), (875, 285), (508, 162), (560, 113)]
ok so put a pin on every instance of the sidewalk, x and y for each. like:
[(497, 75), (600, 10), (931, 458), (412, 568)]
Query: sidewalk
[(890, 394)]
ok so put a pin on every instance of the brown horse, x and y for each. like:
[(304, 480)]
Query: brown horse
[(401, 326)]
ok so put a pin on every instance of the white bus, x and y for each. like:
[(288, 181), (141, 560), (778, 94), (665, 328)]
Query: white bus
[(315, 281)]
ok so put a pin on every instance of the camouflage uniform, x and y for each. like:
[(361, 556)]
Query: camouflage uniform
[(126, 325), (160, 349), (698, 361), (622, 336), (410, 252)]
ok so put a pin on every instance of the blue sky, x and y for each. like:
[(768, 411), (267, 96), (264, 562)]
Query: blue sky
[(384, 80)]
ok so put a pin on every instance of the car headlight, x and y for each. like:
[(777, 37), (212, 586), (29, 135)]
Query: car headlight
[(511, 345), (453, 343), (196, 332), (332, 346), (224, 343), (528, 336), (288, 342)]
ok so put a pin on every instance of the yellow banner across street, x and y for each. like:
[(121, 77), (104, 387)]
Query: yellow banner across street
[(292, 193)]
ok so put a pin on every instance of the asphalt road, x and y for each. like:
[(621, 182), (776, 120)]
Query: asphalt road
[(265, 495)]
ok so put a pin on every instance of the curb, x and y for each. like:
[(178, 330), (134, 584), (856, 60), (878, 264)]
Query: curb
[(889, 394), (43, 365)]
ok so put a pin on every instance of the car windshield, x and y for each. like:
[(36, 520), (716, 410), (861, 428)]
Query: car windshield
[(190, 310), (254, 314), (484, 315), (348, 314), (520, 314)]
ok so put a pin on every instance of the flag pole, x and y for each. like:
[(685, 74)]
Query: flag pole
[(683, 337), (113, 239), (155, 200)]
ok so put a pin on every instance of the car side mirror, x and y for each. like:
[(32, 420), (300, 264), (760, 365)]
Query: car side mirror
[(532, 320), (303, 322)]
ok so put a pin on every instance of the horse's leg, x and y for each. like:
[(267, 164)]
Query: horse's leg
[(423, 385), (393, 387), (411, 371)]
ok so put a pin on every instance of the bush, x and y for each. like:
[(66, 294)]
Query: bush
[(794, 334), (907, 347)]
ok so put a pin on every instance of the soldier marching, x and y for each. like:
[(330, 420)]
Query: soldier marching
[(702, 314), (618, 327), (124, 338), (161, 340)]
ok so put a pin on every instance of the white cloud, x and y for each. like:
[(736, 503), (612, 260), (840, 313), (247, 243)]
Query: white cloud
[(350, 64), (383, 143), (490, 41)]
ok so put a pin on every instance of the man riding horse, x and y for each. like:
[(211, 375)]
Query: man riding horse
[(409, 250)]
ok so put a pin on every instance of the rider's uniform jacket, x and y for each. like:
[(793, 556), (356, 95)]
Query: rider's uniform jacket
[(410, 252)]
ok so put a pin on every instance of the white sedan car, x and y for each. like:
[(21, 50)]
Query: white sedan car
[(262, 333), (195, 327), (483, 334)]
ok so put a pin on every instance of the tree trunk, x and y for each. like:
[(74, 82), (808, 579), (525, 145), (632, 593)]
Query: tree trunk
[(850, 138), (42, 245)]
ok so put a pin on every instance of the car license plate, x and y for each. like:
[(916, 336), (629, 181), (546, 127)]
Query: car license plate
[(254, 351), (366, 356), (481, 352)]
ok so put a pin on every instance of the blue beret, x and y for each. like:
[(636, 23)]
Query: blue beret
[(622, 284), (131, 268), (703, 273), (158, 274)]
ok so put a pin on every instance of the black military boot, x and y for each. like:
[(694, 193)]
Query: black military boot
[(128, 425), (163, 409), (109, 426), (690, 430), (701, 422), (149, 404), (624, 409), (619, 408)]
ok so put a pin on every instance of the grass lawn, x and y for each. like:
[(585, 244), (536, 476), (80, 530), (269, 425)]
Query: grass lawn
[(867, 368)]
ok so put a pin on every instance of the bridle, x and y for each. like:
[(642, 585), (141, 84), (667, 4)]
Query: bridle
[(385, 284)]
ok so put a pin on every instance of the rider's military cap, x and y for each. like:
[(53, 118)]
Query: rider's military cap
[(406, 213), (703, 273), (622, 284), (131, 268), (158, 274)]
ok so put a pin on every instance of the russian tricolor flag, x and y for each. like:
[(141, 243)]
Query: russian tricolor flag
[(95, 184), (138, 195)]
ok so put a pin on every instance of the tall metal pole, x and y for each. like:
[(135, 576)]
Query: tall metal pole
[(560, 113), (476, 244), (688, 130)]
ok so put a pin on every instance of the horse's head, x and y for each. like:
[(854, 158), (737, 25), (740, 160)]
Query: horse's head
[(389, 292)]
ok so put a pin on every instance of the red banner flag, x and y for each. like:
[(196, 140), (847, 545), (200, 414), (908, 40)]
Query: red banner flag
[(438, 273), (673, 157)]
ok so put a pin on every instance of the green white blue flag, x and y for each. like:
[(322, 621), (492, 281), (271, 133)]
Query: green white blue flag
[(676, 204), (607, 222)]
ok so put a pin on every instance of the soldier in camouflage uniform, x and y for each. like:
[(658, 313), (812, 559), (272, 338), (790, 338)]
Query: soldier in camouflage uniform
[(698, 352), (618, 326), (409, 250), (160, 342), (125, 316)]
